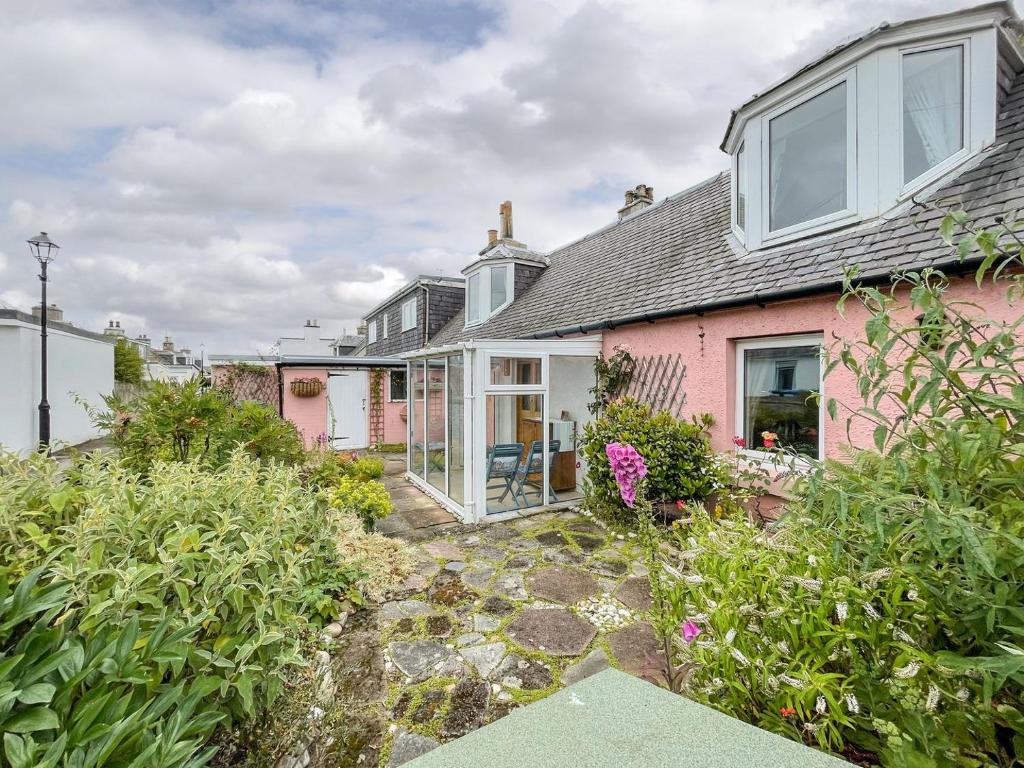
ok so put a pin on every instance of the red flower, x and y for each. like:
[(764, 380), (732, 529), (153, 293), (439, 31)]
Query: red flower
[(787, 711), (769, 443), (680, 505), (739, 442)]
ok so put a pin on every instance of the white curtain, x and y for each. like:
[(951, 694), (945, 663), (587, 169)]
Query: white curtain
[(932, 108)]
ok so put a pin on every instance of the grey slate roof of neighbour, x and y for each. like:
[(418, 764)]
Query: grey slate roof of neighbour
[(418, 280), (675, 257)]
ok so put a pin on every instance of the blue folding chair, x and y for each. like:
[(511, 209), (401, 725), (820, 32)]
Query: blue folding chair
[(534, 465), (503, 464)]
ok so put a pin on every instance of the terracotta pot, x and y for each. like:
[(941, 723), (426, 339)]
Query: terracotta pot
[(307, 387)]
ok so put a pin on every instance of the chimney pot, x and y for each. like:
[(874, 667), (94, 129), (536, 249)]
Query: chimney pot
[(492, 235), (637, 199)]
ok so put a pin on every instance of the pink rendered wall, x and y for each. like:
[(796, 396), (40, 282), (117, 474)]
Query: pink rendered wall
[(309, 414), (710, 365), (395, 416)]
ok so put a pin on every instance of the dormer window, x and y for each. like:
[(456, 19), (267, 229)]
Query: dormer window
[(489, 291), (933, 108), (869, 126)]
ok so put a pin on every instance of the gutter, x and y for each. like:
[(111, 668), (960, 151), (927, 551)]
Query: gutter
[(956, 268)]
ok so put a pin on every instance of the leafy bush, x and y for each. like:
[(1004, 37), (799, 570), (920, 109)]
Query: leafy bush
[(797, 638), (324, 467), (244, 552), (681, 464), (99, 700), (368, 499), (32, 505), (186, 422), (367, 468)]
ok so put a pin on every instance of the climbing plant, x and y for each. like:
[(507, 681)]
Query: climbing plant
[(613, 375), (248, 381), (377, 406)]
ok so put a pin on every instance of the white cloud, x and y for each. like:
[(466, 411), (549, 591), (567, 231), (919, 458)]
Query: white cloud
[(226, 172)]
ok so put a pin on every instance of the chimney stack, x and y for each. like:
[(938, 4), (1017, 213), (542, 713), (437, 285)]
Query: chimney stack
[(311, 332), (492, 236), (54, 314), (168, 345), (636, 200), (114, 329), (505, 220)]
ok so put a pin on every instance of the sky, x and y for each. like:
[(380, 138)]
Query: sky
[(223, 171)]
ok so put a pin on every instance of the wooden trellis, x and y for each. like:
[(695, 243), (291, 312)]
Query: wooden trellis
[(658, 381)]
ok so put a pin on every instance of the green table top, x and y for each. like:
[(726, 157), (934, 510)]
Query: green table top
[(615, 720)]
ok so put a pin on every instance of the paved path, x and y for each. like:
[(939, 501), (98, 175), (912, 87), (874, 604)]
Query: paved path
[(501, 615)]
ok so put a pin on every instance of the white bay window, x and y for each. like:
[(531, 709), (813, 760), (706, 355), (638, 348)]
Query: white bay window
[(861, 133)]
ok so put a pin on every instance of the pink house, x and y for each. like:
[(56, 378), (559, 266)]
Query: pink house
[(726, 292)]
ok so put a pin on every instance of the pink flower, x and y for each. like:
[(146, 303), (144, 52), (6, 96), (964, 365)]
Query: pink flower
[(628, 467), (680, 505), (690, 631), (739, 442), (769, 439)]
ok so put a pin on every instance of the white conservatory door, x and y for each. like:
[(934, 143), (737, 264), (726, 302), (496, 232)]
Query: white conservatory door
[(346, 409)]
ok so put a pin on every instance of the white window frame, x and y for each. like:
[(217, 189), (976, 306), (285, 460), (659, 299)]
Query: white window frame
[(384, 322), (483, 276), (474, 291), (777, 342), (849, 77), (909, 187), (371, 331), (406, 374), (409, 311), (740, 232)]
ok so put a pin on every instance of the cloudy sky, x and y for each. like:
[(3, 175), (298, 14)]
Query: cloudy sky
[(221, 171)]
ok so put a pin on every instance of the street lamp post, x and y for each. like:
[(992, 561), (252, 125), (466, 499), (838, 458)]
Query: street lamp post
[(44, 251)]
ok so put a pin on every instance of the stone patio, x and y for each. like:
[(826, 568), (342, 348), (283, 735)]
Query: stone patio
[(501, 615)]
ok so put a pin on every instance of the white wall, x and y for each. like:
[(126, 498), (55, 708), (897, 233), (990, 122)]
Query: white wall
[(77, 366)]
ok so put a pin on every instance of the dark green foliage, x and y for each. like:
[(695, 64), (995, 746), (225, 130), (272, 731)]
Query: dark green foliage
[(612, 376), (127, 363), (188, 422), (681, 464)]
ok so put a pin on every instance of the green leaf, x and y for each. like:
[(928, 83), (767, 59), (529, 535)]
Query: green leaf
[(39, 693), (19, 753), (31, 720)]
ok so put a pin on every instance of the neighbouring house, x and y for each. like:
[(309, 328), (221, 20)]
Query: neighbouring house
[(165, 363), (312, 344), (725, 293), (80, 364)]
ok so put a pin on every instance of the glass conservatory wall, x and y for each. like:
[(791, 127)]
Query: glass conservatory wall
[(435, 444), (456, 430), (416, 444)]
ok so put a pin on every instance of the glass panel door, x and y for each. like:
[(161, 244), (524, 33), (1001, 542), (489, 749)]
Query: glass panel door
[(514, 453)]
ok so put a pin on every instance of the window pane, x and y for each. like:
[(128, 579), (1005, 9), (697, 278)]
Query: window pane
[(498, 288), (435, 444), (397, 382), (933, 108), (416, 411), (807, 161), (456, 430), (515, 370), (409, 315), (777, 388), (741, 189), (474, 298)]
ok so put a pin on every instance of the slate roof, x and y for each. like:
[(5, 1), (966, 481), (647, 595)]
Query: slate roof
[(675, 257)]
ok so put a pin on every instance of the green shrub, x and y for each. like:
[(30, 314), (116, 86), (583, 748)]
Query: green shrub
[(108, 698), (368, 499), (367, 468), (128, 365), (324, 467), (33, 503), (789, 621), (175, 421), (245, 551), (681, 464)]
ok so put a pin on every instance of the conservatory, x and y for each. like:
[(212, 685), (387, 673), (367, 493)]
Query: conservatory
[(494, 426)]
